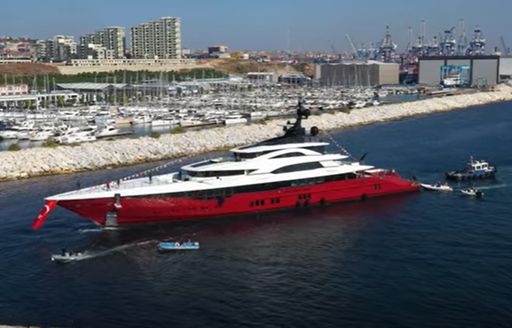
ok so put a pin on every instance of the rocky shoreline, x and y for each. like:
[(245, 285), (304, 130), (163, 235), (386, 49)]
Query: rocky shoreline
[(103, 154)]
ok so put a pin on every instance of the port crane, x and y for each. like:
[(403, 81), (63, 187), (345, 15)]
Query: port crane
[(352, 45)]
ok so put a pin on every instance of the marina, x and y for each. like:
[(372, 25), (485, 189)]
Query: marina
[(340, 246), (102, 154), (255, 164), (231, 105)]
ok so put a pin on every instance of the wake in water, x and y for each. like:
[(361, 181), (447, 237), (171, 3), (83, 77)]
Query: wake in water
[(90, 254), (99, 229), (500, 186), (88, 230)]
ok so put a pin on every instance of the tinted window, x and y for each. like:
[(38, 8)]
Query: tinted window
[(298, 167), (227, 192), (208, 174), (289, 155)]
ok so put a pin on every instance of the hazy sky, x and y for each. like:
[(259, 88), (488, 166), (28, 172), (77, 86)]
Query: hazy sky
[(263, 24)]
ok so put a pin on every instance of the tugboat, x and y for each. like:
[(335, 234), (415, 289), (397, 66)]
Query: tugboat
[(289, 171), (474, 170)]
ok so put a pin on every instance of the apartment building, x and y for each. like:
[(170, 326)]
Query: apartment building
[(159, 39)]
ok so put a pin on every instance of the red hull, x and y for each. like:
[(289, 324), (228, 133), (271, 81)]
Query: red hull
[(151, 209)]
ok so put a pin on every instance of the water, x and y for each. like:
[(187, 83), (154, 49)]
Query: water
[(419, 260)]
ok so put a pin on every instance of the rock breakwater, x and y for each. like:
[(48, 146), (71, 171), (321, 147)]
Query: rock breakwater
[(67, 159)]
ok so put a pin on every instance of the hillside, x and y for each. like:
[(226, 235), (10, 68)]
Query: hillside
[(27, 69), (240, 67)]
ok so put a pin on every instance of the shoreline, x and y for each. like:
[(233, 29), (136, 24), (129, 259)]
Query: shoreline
[(34, 162)]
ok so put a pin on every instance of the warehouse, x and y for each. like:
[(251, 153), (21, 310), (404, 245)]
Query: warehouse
[(481, 71), (357, 73), (505, 68)]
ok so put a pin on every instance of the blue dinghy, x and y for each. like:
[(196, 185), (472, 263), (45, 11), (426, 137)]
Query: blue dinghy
[(176, 246)]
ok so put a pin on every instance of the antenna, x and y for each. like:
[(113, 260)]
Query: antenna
[(410, 44), (423, 31)]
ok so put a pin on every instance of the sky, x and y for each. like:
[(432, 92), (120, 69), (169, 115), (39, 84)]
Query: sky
[(263, 24)]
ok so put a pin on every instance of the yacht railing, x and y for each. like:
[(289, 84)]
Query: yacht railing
[(119, 185)]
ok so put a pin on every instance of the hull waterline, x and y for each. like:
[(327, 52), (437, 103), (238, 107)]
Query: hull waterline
[(167, 208)]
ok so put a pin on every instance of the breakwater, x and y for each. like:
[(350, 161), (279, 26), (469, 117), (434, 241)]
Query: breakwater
[(102, 154)]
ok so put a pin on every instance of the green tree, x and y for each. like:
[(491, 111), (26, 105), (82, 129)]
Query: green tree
[(14, 147), (177, 130), (60, 101)]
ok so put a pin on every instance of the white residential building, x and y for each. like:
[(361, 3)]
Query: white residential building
[(159, 39), (112, 39)]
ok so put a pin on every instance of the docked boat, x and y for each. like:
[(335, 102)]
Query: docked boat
[(9, 134), (142, 119), (234, 119), (163, 121), (472, 192), (284, 172), (109, 131), (86, 134), (437, 187), (474, 170), (176, 246), (42, 134)]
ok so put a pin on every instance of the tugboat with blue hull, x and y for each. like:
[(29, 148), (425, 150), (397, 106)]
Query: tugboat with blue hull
[(284, 172), (476, 169)]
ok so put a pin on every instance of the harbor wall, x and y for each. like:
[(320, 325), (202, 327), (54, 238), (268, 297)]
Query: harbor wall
[(103, 154)]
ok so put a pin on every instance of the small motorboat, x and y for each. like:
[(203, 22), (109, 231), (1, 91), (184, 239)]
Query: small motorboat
[(176, 246), (472, 192), (437, 187), (67, 256)]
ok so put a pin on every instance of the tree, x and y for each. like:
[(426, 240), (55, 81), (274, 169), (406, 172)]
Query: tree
[(60, 101)]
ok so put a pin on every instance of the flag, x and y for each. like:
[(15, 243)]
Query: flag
[(43, 214)]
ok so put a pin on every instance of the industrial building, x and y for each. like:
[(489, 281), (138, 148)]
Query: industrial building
[(505, 68), (218, 51), (159, 39), (357, 73), (262, 77), (459, 71)]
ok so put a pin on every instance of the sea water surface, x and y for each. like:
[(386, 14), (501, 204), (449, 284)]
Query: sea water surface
[(417, 260)]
